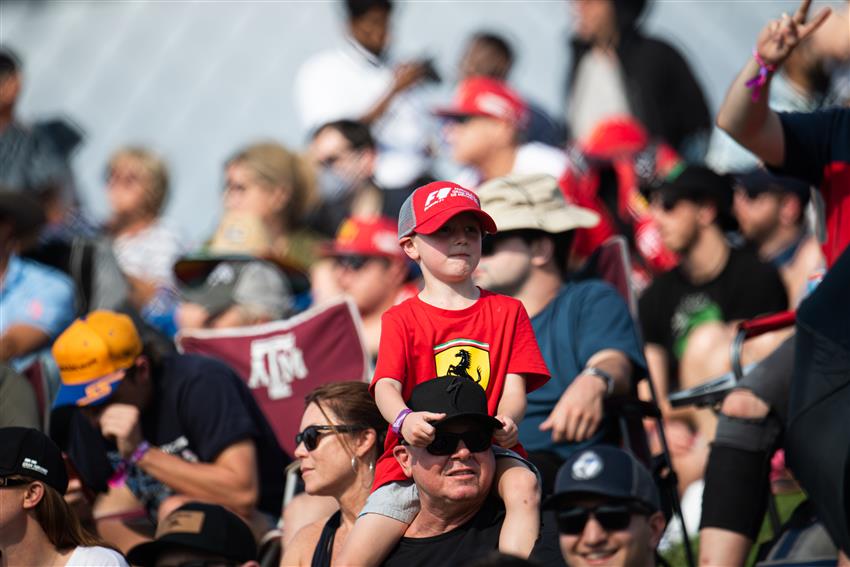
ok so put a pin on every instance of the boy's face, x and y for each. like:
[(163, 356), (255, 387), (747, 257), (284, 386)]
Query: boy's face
[(451, 253)]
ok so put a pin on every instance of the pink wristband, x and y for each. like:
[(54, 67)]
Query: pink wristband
[(119, 477), (140, 452), (757, 83)]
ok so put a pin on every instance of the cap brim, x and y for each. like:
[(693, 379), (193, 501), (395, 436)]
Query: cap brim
[(91, 393), (561, 499), (456, 113), (433, 224), (483, 419)]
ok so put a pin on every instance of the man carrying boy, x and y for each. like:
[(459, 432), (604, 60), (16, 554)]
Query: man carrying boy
[(452, 328)]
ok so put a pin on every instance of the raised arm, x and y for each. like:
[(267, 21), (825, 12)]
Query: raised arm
[(745, 114)]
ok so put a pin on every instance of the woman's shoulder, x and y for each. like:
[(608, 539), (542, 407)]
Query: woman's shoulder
[(299, 550), (96, 556)]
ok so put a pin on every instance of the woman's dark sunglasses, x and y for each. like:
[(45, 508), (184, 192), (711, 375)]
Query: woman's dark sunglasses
[(612, 517), (445, 443), (311, 434)]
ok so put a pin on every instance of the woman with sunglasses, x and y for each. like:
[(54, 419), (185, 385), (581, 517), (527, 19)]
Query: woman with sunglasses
[(37, 527), (340, 439)]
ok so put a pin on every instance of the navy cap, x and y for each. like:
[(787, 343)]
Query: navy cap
[(760, 181), (603, 471)]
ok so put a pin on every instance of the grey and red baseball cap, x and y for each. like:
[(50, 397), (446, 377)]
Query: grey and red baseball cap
[(432, 205)]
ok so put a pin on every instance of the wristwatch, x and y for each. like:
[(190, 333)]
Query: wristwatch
[(609, 380)]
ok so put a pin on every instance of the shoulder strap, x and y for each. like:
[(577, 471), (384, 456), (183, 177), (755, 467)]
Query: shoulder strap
[(324, 548)]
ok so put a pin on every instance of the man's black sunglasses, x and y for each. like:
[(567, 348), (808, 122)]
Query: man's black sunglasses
[(310, 435), (445, 443), (612, 517), (490, 241)]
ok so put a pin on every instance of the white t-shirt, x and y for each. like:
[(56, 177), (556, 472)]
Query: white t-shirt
[(533, 157), (346, 83), (96, 557), (149, 254), (599, 93)]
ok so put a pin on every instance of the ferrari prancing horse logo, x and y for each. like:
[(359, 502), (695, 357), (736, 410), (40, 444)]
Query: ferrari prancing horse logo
[(466, 358)]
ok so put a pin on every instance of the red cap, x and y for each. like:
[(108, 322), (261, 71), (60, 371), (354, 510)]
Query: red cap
[(483, 96), (366, 237), (432, 205)]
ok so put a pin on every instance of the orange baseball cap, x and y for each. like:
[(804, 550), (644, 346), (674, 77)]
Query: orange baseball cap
[(90, 355)]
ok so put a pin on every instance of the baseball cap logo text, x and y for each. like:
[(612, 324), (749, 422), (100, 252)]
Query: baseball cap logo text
[(438, 196)]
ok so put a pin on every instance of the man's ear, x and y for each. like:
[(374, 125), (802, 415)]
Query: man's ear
[(790, 210), (33, 495), (542, 251), (706, 213), (405, 459), (143, 368), (409, 247), (657, 523)]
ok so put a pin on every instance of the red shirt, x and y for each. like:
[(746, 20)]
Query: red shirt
[(486, 342)]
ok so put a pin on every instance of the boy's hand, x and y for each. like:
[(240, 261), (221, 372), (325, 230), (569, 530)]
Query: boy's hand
[(508, 435), (417, 429)]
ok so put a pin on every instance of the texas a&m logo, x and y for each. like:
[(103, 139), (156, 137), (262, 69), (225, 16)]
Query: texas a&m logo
[(275, 363)]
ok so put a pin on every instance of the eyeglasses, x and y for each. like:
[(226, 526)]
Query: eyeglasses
[(8, 481), (310, 435), (445, 443), (354, 263), (612, 517)]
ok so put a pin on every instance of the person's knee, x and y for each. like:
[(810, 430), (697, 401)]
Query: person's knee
[(706, 354), (744, 404)]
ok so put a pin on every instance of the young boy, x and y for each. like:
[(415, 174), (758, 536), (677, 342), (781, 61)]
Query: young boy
[(452, 328)]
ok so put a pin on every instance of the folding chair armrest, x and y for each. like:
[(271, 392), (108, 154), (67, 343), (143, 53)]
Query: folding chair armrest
[(629, 406)]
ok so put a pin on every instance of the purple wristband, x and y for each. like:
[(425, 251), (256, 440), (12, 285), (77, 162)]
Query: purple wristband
[(140, 451), (399, 421)]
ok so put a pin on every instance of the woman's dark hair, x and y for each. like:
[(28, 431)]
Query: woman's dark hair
[(352, 404), (356, 8), (356, 133)]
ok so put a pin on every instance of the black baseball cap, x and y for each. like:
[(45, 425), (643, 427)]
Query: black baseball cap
[(606, 471), (457, 397), (23, 211), (208, 528), (758, 181), (30, 453), (700, 185)]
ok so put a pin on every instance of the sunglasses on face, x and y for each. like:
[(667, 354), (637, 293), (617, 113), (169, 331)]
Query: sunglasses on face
[(491, 241), (311, 434), (354, 263), (612, 517), (445, 443)]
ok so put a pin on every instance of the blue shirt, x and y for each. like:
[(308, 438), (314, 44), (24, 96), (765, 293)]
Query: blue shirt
[(583, 319), (36, 295)]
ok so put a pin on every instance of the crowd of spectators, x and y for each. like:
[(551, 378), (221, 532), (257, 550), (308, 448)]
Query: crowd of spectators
[(500, 350)]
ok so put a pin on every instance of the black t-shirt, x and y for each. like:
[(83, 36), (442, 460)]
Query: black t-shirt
[(672, 306), (199, 408), (476, 538)]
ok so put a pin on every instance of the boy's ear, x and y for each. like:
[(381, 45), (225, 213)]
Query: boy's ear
[(409, 247)]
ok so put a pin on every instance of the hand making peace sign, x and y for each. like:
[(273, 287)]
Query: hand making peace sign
[(779, 38)]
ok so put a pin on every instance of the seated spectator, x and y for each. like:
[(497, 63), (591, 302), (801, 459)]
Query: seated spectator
[(607, 509), (158, 432), (36, 302), (372, 269), (234, 293), (491, 55), (688, 313), (359, 81), (340, 439), (485, 127), (37, 527), (137, 190), (198, 534), (345, 155), (275, 185), (771, 215), (460, 518)]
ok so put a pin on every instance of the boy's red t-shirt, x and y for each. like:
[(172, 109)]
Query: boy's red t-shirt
[(485, 342)]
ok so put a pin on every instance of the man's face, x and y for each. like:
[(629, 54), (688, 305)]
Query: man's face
[(371, 30), (330, 150), (594, 19), (10, 88), (474, 138), (369, 280), (596, 545), (450, 254), (463, 476), (127, 188), (758, 217), (506, 263), (677, 222)]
